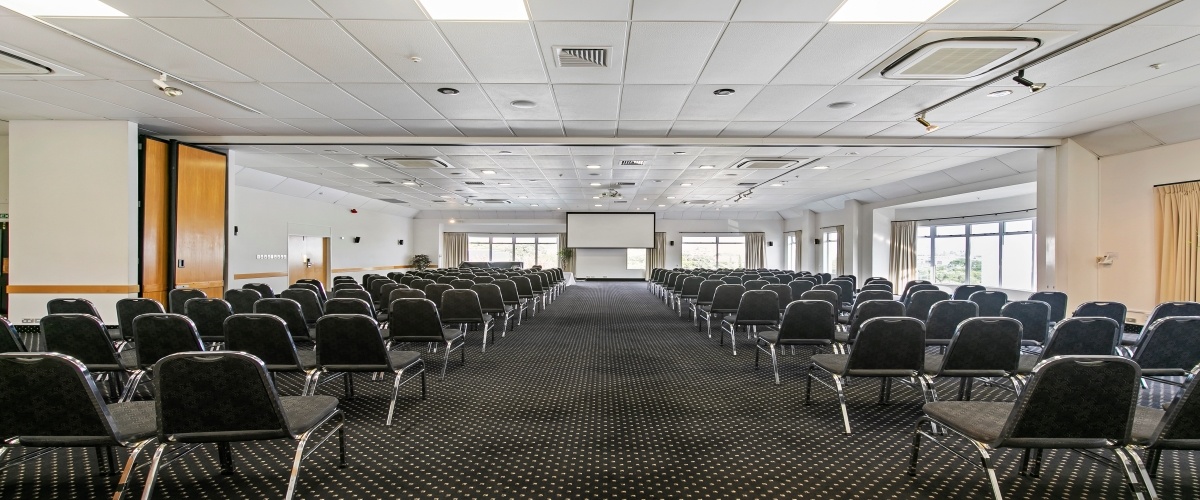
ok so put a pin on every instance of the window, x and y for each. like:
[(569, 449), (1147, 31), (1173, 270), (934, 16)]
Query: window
[(790, 250), (710, 252), (831, 255), (635, 258), (527, 249), (1000, 254)]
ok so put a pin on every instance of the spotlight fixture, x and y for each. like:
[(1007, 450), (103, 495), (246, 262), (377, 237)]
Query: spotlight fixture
[(448, 91), (359, 165), (724, 92), (161, 82), (929, 127), (611, 193), (1033, 87)]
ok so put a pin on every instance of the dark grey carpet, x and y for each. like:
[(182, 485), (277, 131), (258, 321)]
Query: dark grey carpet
[(609, 394)]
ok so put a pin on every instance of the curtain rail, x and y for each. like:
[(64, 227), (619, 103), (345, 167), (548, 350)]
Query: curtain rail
[(968, 216)]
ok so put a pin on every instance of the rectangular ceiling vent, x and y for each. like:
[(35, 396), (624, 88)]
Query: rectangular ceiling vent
[(620, 201), (747, 183), (626, 183), (383, 182), (581, 57), (698, 202), (438, 201), (474, 183), (492, 201), (765, 163), (12, 64), (392, 200), (408, 162), (633, 163), (958, 58)]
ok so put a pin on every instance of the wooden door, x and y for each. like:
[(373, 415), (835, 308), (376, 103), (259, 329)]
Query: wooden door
[(200, 220), (156, 256), (308, 258)]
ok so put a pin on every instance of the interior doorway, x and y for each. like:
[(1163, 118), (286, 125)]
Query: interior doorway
[(308, 257)]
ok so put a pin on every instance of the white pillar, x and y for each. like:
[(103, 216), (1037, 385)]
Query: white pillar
[(74, 190), (1068, 221)]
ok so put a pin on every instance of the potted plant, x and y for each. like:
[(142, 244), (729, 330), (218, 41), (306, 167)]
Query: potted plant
[(565, 255), (420, 261)]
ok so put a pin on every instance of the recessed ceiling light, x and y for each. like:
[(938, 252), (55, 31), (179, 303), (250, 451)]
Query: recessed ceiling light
[(821, 167), (595, 197), (686, 184), (599, 205), (724, 206), (504, 184), (66, 8), (522, 197), (523, 104), (776, 185), (448, 91), (409, 183), (707, 167), (595, 184), (1000, 93), (662, 205), (593, 166), (487, 172), (670, 197), (447, 196), (475, 10), (359, 165), (534, 205), (888, 11), (724, 91), (558, 208), (841, 105)]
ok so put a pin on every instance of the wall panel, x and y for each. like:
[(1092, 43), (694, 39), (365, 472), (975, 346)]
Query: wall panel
[(156, 211)]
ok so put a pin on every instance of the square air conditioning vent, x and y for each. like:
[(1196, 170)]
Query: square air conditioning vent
[(959, 58), (698, 202), (492, 201), (765, 164), (633, 163), (407, 162), (747, 183), (392, 200), (581, 57), (12, 64), (626, 183)]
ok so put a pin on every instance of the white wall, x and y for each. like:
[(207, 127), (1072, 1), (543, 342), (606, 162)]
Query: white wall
[(1068, 206), (1129, 217), (265, 219), (3, 174)]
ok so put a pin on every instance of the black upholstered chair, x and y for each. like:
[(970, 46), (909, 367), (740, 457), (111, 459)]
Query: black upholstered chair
[(876, 287), (804, 323), (316, 283), (79, 306), (944, 318), (405, 293), (158, 336), (242, 299), (885, 348), (689, 290), (754, 284), (864, 297), (512, 298), (491, 301), (704, 298), (462, 308), (526, 295), (1071, 402), (435, 291), (1169, 348), (227, 397), (990, 302), (209, 317), (130, 308), (1129, 341), (981, 347), (725, 301), (419, 284), (462, 284), (908, 287), (290, 312), (732, 280), (1034, 316), (783, 292), (446, 280), (351, 343), (830, 296), (799, 286), (362, 295), (350, 306), (845, 293), (478, 280), (84, 337), (863, 313), (1155, 430), (417, 320), (178, 297), (70, 412), (10, 340), (310, 303), (963, 292), (1057, 302), (266, 337), (262, 288), (1081, 336), (407, 279), (758, 308)]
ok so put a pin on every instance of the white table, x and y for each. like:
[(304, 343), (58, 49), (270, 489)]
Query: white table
[(568, 278)]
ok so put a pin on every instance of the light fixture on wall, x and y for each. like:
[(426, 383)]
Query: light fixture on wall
[(1033, 87), (929, 127), (170, 91)]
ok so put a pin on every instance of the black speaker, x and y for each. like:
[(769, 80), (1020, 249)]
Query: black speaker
[(235, 230), (816, 241), (399, 242), (356, 239), (672, 242), (770, 243)]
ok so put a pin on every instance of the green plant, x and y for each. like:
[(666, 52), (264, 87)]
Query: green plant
[(420, 261), (565, 255)]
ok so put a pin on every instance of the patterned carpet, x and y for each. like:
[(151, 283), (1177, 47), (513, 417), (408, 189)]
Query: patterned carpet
[(609, 394)]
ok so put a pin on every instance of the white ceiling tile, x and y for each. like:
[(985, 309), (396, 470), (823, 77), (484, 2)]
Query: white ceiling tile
[(981, 170), (1123, 44), (497, 52), (840, 51), (1116, 140), (1128, 96), (1094, 11), (653, 102), (372, 9), (857, 129), (643, 128), (159, 126), (817, 11), (894, 190), (1180, 14), (257, 179), (669, 52), (588, 102), (265, 126), (580, 10), (864, 96), (1171, 58), (590, 128), (1019, 129), (471, 103), (1021, 160), (536, 128), (294, 187), (482, 128), (319, 126), (29, 36), (15, 107), (753, 53), (128, 97), (1049, 99), (327, 195), (393, 100), (132, 37), (702, 104), (905, 104), (697, 128), (397, 42), (275, 9), (683, 10), (377, 128), (264, 99), (325, 47), (932, 181), (58, 96), (1173, 127), (174, 8), (961, 129), (327, 99), (236, 46), (804, 129), (211, 126), (576, 34), (1167, 103), (750, 129), (902, 130), (988, 11), (1071, 129), (781, 102), (502, 96)]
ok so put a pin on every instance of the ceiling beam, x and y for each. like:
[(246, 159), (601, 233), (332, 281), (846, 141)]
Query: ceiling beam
[(616, 141)]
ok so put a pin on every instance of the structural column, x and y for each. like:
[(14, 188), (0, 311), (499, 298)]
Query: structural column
[(1068, 221)]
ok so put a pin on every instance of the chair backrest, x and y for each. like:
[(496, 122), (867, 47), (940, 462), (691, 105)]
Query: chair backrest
[(385, 291), (508, 290), (51, 384), (320, 287), (984, 347), (462, 284), (771, 280), (346, 285), (310, 304), (708, 289), (691, 286), (351, 342), (1170, 343), (130, 308), (419, 284), (908, 288), (920, 302), (209, 317), (749, 277), (945, 316), (808, 320), (887, 346), (1034, 316), (732, 280), (289, 311), (407, 279), (846, 294), (1057, 302), (414, 320), (524, 287), (990, 302), (435, 292), (963, 292), (72, 306), (235, 383), (783, 292), (754, 284), (265, 336), (262, 288), (866, 295), (1170, 309), (446, 280), (161, 335), (405, 293), (799, 286), (1082, 336), (1178, 428), (491, 299), (869, 310), (484, 279), (351, 293), (727, 298), (461, 306), (758, 307), (349, 306), (10, 340), (876, 287), (242, 299), (177, 299), (81, 336), (829, 296), (1074, 402), (314, 288)]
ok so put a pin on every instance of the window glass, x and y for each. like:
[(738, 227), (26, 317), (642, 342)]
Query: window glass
[(712, 252), (547, 252), (526, 252), (924, 264), (951, 230), (1018, 225), (528, 249), (950, 260), (992, 228), (635, 258), (1018, 259), (479, 249), (985, 260), (994, 254), (829, 252)]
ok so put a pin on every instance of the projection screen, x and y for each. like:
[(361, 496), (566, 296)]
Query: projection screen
[(610, 230)]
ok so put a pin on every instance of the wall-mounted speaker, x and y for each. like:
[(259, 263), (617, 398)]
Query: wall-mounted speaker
[(816, 241), (672, 242), (770, 243), (235, 230), (357, 239), (399, 242)]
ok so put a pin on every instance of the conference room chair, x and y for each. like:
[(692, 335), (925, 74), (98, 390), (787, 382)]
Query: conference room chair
[(291, 313), (885, 348), (350, 306), (539, 289), (407, 279), (990, 302), (845, 294), (1071, 402), (704, 298), (824, 277), (376, 288), (1169, 348), (310, 304), (158, 336), (418, 321), (963, 292), (394, 276), (864, 296), (491, 301), (351, 343), (907, 297), (804, 323), (435, 291), (1081, 336), (1172, 428), (209, 317), (981, 347), (732, 280), (863, 313), (876, 287), (1129, 341), (689, 291), (316, 283), (511, 298), (84, 337), (267, 338), (1115, 311), (242, 300), (72, 414), (725, 301), (943, 319), (828, 295), (750, 277), (908, 286), (1034, 316), (226, 398), (548, 289), (783, 292), (757, 308), (79, 306), (462, 308), (1057, 302), (10, 340), (363, 295), (446, 280), (771, 280), (526, 294), (799, 286), (346, 285), (483, 279), (385, 291), (664, 292), (755, 284), (920, 302), (462, 284), (130, 308), (177, 299), (312, 288), (262, 288)]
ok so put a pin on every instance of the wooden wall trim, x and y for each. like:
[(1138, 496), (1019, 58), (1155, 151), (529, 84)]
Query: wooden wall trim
[(202, 284), (250, 276), (73, 288), (378, 268)]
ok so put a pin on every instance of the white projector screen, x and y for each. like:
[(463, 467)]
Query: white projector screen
[(610, 230)]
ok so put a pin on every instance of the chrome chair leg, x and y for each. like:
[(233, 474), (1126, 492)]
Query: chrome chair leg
[(841, 394), (127, 472), (152, 475)]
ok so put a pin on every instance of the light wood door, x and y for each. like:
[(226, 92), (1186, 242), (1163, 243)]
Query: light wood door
[(200, 220), (308, 258), (156, 256)]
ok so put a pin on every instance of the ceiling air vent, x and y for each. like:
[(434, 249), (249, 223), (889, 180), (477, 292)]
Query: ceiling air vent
[(620, 201), (492, 201), (474, 183), (383, 182), (626, 183), (698, 202), (632, 163), (408, 162), (581, 57), (392, 200), (11, 64), (765, 164), (747, 183), (958, 58), (438, 201)]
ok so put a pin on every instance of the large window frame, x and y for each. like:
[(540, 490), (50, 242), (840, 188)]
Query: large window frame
[(728, 250), (790, 250), (503, 247), (1005, 232), (832, 250)]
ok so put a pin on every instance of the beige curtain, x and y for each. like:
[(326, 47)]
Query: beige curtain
[(799, 250), (756, 249), (568, 265), (454, 248), (656, 257), (904, 252), (1179, 240)]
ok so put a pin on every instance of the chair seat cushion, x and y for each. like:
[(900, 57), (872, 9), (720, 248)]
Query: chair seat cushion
[(978, 420), (832, 363), (404, 359), (308, 359), (135, 420), (305, 412), (1130, 338), (843, 337), (844, 319), (1145, 422), (1028, 361), (933, 363), (129, 359)]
